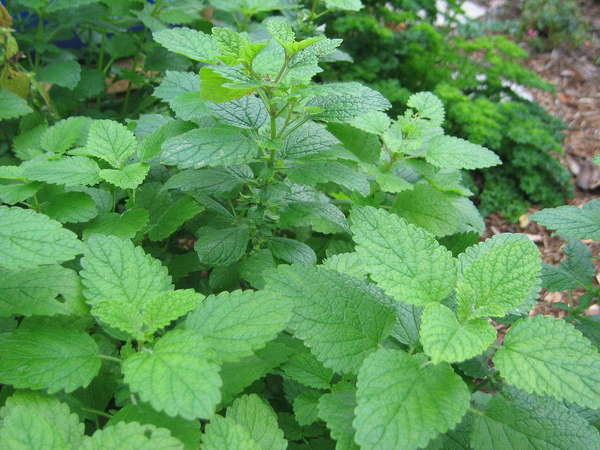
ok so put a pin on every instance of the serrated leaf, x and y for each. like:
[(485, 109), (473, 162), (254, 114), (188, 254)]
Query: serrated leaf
[(184, 41), (348, 263), (446, 339), (222, 433), (177, 377), (173, 217), (317, 172), (403, 404), (253, 267), (337, 410), (347, 5), (571, 221), (577, 270), (67, 171), (151, 145), (189, 106), (129, 177), (375, 122), (366, 146), (342, 102), (52, 358), (245, 112), (215, 87), (306, 407), (222, 247), (31, 420), (110, 141), (547, 356), (358, 316), (176, 83), (306, 369), (12, 106), (132, 436), (403, 259), (258, 418), (428, 106), (29, 239), (64, 134), (238, 323), (62, 73), (115, 268), (309, 139), (71, 207), (499, 280), (208, 147), (450, 152), (125, 225), (14, 193), (292, 251)]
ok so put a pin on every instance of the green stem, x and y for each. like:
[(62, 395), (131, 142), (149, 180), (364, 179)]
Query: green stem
[(97, 412), (476, 411), (110, 358)]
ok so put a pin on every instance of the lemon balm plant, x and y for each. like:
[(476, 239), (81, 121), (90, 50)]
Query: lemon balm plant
[(259, 270)]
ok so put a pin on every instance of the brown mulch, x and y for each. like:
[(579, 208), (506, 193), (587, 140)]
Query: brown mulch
[(576, 74)]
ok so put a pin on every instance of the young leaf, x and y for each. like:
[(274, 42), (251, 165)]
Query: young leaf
[(428, 106), (53, 358), (68, 171), (306, 407), (238, 323), (403, 259), (403, 404), (246, 112), (12, 106), (131, 436), (358, 316), (375, 122), (292, 251), (222, 433), (450, 152), (349, 5), (337, 410), (29, 239), (129, 177), (173, 217), (317, 172), (309, 139), (571, 221), (125, 225), (62, 73), (110, 141), (208, 147), (177, 377), (306, 369), (194, 44), (547, 356), (577, 270), (71, 207), (222, 247), (446, 339), (64, 134)]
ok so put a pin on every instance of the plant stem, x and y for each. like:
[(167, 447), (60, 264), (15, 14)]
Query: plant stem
[(110, 358), (97, 412)]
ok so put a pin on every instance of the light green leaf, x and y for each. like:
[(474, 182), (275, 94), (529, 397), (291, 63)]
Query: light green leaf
[(194, 44), (446, 339), (259, 419), (53, 358), (306, 369), (317, 172), (309, 139), (125, 225), (517, 421), (129, 177), (392, 183), (450, 152), (12, 106), (547, 356), (428, 106), (132, 436), (499, 280), (208, 147), (177, 377), (358, 315), (222, 247), (571, 221), (64, 134), (29, 239), (68, 171), (222, 433), (292, 251), (57, 5), (238, 323), (173, 217), (189, 106), (176, 83), (215, 87), (348, 263), (403, 259), (348, 5), (253, 267), (306, 407), (375, 122), (34, 421), (577, 270), (403, 404), (365, 146), (110, 141), (115, 268), (14, 193), (337, 410), (151, 145), (280, 29), (246, 112), (62, 73), (71, 207)]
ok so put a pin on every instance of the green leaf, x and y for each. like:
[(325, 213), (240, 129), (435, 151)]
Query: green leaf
[(173, 217), (115, 268), (450, 152), (222, 247), (71, 207), (57, 5), (517, 421), (67, 171), (446, 339), (348, 5), (547, 356), (571, 221), (124, 225), (427, 106), (280, 29), (177, 377), (366, 146), (253, 267), (31, 420), (29, 239), (222, 433), (132, 436), (259, 419), (53, 358), (64, 134), (216, 88), (375, 122), (403, 404), (14, 193), (404, 260), (152, 144), (110, 141), (186, 431), (176, 83), (348, 263), (337, 410), (246, 112), (306, 407), (358, 315), (342, 102), (577, 270), (499, 280), (12, 106), (184, 41), (317, 172), (306, 369), (208, 147), (62, 73), (292, 251), (309, 139), (238, 323), (189, 106), (129, 177)]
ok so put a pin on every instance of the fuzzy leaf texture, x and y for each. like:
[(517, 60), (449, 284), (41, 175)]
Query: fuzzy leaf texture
[(132, 436), (110, 141), (68, 171), (450, 152), (571, 221), (194, 44), (403, 259), (12, 106)]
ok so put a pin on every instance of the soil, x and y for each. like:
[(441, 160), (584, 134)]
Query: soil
[(576, 74)]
